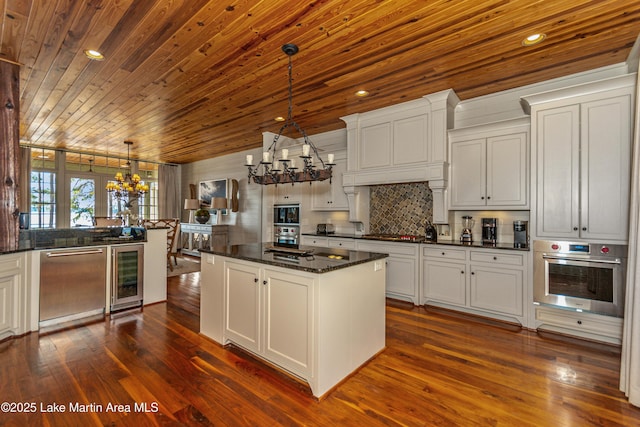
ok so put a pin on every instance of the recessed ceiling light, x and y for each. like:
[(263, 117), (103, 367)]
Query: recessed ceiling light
[(533, 39), (94, 55), (279, 119), (362, 93)]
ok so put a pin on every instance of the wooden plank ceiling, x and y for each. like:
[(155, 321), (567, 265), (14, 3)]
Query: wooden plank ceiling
[(187, 80)]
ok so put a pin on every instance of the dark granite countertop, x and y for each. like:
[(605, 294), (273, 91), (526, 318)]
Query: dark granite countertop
[(479, 245), (61, 238), (317, 260)]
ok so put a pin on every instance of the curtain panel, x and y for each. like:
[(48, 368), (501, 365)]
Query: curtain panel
[(168, 191)]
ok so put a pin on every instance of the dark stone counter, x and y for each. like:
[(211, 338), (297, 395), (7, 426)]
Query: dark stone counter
[(56, 238), (312, 259), (509, 246)]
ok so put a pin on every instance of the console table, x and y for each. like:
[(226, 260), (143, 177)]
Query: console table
[(202, 236)]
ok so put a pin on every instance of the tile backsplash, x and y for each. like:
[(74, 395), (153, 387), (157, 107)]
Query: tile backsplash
[(400, 208)]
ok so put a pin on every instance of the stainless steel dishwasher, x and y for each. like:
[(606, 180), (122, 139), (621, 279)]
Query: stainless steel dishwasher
[(73, 284)]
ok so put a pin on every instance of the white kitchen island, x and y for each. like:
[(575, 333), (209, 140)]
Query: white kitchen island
[(318, 316)]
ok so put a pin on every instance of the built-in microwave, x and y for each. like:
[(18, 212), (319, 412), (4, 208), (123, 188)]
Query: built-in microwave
[(286, 214)]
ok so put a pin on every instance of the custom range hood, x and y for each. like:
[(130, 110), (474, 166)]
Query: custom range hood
[(402, 143)]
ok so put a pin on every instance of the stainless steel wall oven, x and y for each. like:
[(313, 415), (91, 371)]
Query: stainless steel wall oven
[(580, 276), (286, 224)]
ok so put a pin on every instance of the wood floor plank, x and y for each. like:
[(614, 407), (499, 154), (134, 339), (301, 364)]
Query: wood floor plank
[(439, 368)]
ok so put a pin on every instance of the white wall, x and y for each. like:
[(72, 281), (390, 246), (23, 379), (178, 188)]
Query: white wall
[(245, 225)]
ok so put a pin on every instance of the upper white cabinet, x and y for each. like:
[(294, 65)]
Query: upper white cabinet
[(490, 166), (287, 193), (401, 143), (329, 195), (582, 139)]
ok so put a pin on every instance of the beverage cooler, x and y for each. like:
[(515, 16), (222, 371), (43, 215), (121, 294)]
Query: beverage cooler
[(126, 276)]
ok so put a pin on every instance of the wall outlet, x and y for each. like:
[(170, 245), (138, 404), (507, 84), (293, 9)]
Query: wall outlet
[(377, 265)]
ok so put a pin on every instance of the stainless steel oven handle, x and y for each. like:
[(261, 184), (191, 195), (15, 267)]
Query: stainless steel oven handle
[(58, 254), (589, 260)]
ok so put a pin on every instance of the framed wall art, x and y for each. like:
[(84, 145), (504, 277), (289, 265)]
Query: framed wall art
[(207, 190)]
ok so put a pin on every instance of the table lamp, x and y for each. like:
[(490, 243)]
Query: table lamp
[(217, 204), (192, 205)]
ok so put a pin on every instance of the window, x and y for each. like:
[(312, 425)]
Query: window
[(43, 189), (83, 201), (43, 200), (82, 193)]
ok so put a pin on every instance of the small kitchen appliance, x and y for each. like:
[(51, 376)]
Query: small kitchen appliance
[(520, 234), (286, 214), (286, 225), (431, 233), (467, 225), (325, 229), (489, 231)]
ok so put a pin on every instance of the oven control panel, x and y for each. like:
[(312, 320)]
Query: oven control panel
[(578, 248)]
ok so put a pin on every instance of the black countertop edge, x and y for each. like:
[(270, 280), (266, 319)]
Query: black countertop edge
[(506, 246), (75, 246), (317, 262)]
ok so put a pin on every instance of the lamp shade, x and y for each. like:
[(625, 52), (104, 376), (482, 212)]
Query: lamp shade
[(191, 204), (219, 203)]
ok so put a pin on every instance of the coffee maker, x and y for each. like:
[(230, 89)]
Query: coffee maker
[(489, 231), (520, 234)]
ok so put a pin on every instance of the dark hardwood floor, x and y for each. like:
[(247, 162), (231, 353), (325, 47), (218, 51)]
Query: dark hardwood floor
[(439, 368)]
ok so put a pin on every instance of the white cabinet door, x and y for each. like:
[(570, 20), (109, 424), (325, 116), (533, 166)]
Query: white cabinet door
[(558, 171), (468, 173), (13, 302), (8, 303), (287, 193), (288, 309), (491, 172), (605, 159), (584, 163), (507, 171), (497, 289), (444, 282), (243, 305), (402, 277), (402, 267), (330, 196)]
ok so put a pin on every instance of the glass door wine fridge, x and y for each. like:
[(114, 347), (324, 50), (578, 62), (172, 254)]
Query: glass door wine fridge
[(126, 277)]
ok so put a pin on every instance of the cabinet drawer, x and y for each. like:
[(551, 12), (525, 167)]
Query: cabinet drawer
[(342, 243), (497, 258), (408, 249), (444, 253), (604, 325), (315, 241)]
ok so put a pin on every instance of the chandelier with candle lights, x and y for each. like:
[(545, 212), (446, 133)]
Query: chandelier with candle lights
[(283, 170), (128, 187)]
